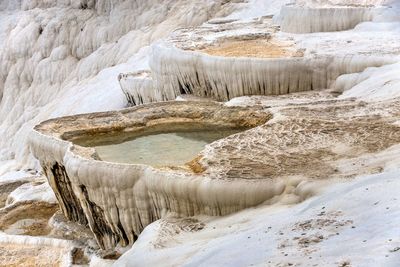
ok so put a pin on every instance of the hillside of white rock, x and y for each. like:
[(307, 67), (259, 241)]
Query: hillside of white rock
[(314, 183)]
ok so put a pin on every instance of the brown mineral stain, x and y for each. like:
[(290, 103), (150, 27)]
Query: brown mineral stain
[(253, 48)]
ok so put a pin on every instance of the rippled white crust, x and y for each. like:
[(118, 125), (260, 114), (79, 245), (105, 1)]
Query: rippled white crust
[(139, 88), (344, 214)]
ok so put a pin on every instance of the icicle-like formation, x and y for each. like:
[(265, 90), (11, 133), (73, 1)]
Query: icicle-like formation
[(223, 78), (139, 89), (299, 19)]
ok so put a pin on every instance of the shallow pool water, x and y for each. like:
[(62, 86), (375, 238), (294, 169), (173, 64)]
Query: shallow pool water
[(164, 149)]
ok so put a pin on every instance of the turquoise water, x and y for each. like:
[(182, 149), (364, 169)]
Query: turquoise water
[(165, 149)]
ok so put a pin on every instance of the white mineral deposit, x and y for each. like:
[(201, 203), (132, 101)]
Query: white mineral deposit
[(200, 133)]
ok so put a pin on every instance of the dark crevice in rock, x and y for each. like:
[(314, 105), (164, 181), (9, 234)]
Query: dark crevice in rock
[(68, 201), (182, 89), (130, 99), (79, 257), (100, 228), (123, 235)]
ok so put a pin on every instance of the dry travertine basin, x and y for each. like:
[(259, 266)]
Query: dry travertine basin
[(313, 141), (6, 189), (27, 218), (257, 48)]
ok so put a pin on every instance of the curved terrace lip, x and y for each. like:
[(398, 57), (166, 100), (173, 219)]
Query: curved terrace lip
[(200, 53), (208, 58), (176, 70)]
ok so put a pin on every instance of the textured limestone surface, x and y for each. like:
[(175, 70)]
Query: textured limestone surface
[(31, 255), (17, 250), (27, 218)]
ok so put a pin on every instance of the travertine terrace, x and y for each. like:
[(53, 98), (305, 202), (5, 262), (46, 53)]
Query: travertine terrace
[(275, 159), (82, 181), (290, 111), (282, 158)]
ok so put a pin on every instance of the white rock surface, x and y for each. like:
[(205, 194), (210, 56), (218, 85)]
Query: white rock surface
[(63, 57), (359, 227), (32, 192), (372, 84)]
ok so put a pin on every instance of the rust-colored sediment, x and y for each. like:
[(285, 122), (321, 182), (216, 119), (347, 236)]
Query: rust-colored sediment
[(41, 212), (195, 165), (253, 48), (30, 255)]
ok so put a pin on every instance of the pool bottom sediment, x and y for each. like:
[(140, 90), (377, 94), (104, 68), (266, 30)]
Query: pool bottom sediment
[(162, 149)]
